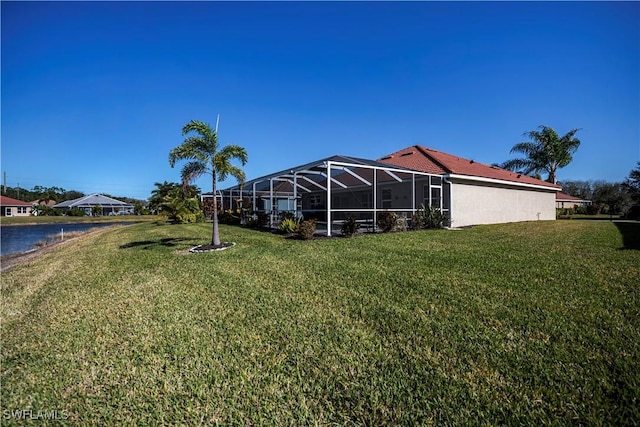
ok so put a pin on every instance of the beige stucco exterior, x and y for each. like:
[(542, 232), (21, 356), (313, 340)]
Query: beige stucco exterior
[(475, 202), (16, 210)]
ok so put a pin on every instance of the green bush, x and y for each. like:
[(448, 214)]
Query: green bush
[(76, 212), (427, 218), (593, 209), (564, 213), (387, 221), (306, 229), (350, 226), (288, 225), (262, 219), (581, 210), (229, 217), (189, 217)]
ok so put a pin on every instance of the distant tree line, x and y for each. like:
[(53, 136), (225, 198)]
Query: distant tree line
[(614, 198), (43, 195)]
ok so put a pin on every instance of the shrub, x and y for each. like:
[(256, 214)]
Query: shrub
[(262, 219), (387, 221), (564, 213), (428, 218), (581, 210), (76, 212), (306, 229), (189, 217), (350, 226), (229, 217), (288, 225), (593, 209)]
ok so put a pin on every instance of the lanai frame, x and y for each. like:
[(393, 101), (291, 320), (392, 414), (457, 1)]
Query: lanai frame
[(331, 176)]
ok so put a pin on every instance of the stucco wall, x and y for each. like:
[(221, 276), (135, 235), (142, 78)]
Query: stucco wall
[(473, 204)]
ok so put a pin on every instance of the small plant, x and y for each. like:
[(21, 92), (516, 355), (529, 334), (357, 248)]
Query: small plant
[(229, 217), (387, 221), (427, 218), (76, 212), (350, 226), (564, 213), (306, 229), (288, 226), (258, 220)]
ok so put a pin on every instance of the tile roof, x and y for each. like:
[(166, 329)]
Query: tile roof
[(432, 161), (567, 197), (8, 201)]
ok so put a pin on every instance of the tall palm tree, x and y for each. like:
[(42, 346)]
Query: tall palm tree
[(546, 152), (205, 157)]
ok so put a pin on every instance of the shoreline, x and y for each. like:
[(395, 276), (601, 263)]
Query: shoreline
[(9, 261)]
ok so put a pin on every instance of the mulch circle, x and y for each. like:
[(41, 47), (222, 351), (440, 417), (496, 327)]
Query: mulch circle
[(210, 248)]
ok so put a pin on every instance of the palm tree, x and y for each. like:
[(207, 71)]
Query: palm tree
[(205, 157), (546, 152)]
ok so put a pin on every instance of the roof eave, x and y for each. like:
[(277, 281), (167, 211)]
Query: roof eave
[(550, 187)]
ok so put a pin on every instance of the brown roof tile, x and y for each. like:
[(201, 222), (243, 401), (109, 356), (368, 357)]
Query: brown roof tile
[(432, 161), (8, 201)]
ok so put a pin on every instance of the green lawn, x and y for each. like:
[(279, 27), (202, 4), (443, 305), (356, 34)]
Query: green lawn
[(533, 323)]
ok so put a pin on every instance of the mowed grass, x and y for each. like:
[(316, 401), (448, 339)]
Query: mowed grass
[(532, 323)]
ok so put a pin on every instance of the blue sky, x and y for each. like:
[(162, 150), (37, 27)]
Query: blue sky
[(95, 94)]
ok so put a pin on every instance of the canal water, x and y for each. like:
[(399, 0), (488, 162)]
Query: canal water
[(21, 238)]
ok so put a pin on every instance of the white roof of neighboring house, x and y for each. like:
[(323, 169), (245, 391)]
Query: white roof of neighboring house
[(93, 200)]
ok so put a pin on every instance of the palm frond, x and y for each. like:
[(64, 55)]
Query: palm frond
[(234, 152), (192, 171)]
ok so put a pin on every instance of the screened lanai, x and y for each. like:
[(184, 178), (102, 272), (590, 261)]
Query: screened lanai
[(332, 189)]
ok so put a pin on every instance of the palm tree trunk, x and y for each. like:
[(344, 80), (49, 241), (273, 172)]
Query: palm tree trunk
[(215, 239)]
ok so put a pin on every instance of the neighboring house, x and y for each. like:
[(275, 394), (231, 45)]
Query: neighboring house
[(14, 207), (565, 201), (39, 204), (108, 205), (332, 189)]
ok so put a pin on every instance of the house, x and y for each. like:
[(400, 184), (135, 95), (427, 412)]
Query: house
[(335, 188), (107, 205), (14, 207), (566, 201), (480, 193)]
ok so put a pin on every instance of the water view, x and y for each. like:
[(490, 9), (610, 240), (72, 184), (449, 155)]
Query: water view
[(21, 238)]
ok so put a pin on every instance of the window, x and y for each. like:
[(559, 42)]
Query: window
[(8, 211), (365, 199), (426, 195), (22, 209), (314, 201), (386, 198), (436, 193)]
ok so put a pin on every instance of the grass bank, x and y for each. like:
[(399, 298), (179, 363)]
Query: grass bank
[(535, 323)]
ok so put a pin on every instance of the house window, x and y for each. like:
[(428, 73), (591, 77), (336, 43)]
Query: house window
[(365, 200), (22, 209), (386, 198), (436, 194), (314, 201), (426, 195), (8, 211)]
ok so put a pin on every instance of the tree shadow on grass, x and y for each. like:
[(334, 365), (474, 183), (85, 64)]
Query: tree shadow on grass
[(630, 234), (168, 242)]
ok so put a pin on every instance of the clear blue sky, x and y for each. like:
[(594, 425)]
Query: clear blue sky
[(94, 95)]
